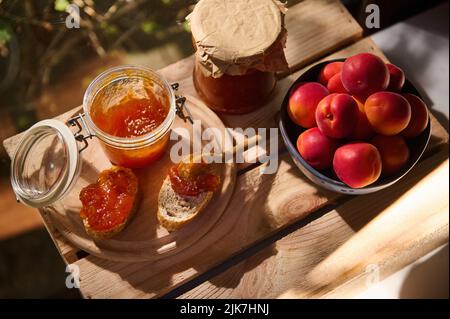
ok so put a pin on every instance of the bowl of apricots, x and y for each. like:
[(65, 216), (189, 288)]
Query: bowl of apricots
[(354, 125)]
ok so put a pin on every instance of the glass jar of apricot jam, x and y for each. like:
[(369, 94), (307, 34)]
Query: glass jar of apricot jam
[(130, 110), (239, 49)]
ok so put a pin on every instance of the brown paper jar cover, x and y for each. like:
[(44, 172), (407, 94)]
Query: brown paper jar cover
[(233, 36), (239, 48)]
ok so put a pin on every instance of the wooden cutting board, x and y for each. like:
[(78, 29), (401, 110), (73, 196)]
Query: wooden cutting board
[(144, 239)]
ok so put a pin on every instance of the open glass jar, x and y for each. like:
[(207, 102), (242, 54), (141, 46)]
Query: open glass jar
[(130, 110), (239, 48), (48, 158)]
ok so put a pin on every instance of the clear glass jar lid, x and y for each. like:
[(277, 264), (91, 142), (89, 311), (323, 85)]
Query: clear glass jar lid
[(45, 164)]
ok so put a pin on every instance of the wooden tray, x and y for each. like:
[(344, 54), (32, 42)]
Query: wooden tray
[(143, 239), (262, 206)]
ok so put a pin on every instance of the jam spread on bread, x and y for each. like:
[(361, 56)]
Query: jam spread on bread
[(191, 179), (109, 202)]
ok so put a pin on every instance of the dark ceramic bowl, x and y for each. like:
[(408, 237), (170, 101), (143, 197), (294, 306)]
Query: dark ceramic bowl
[(327, 179)]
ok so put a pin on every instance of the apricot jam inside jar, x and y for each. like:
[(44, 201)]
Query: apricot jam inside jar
[(239, 48), (130, 110)]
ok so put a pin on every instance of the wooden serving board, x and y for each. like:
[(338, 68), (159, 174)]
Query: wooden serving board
[(315, 28), (337, 254), (143, 239), (262, 205), (330, 256)]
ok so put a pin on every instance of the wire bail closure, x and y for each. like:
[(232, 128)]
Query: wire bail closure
[(180, 105), (79, 121), (79, 136)]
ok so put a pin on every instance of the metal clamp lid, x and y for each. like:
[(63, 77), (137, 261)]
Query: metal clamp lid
[(79, 136), (47, 160), (180, 104)]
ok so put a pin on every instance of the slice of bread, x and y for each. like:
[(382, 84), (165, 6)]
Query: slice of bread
[(105, 234), (175, 211), (113, 231)]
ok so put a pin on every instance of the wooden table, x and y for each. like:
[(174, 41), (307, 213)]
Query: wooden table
[(281, 234)]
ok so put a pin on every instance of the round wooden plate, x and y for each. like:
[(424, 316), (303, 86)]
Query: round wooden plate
[(144, 239)]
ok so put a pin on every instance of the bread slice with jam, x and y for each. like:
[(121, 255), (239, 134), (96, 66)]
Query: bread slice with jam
[(186, 192), (175, 211), (110, 203)]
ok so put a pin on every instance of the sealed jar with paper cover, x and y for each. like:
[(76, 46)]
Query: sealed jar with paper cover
[(239, 48)]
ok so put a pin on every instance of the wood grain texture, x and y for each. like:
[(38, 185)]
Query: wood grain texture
[(326, 38), (308, 40), (228, 285), (262, 204), (143, 239), (336, 254), (309, 34), (132, 282)]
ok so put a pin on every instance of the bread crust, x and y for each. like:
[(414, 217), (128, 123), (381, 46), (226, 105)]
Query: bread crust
[(175, 223)]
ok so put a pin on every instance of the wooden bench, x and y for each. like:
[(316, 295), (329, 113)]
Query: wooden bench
[(281, 232)]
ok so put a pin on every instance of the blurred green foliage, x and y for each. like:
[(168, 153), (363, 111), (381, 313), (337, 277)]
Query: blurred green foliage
[(149, 26), (5, 35), (61, 5), (46, 50)]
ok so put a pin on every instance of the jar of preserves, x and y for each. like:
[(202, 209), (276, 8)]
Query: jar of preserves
[(130, 110), (239, 48)]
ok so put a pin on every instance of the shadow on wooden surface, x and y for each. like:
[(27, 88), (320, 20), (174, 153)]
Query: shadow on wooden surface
[(390, 195), (323, 257), (31, 267)]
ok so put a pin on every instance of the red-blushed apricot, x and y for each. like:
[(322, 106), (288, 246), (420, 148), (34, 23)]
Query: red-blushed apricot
[(363, 130), (389, 113), (337, 115), (357, 164), (393, 151), (364, 74), (335, 84), (419, 116), (316, 148), (303, 103), (329, 71), (396, 78)]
